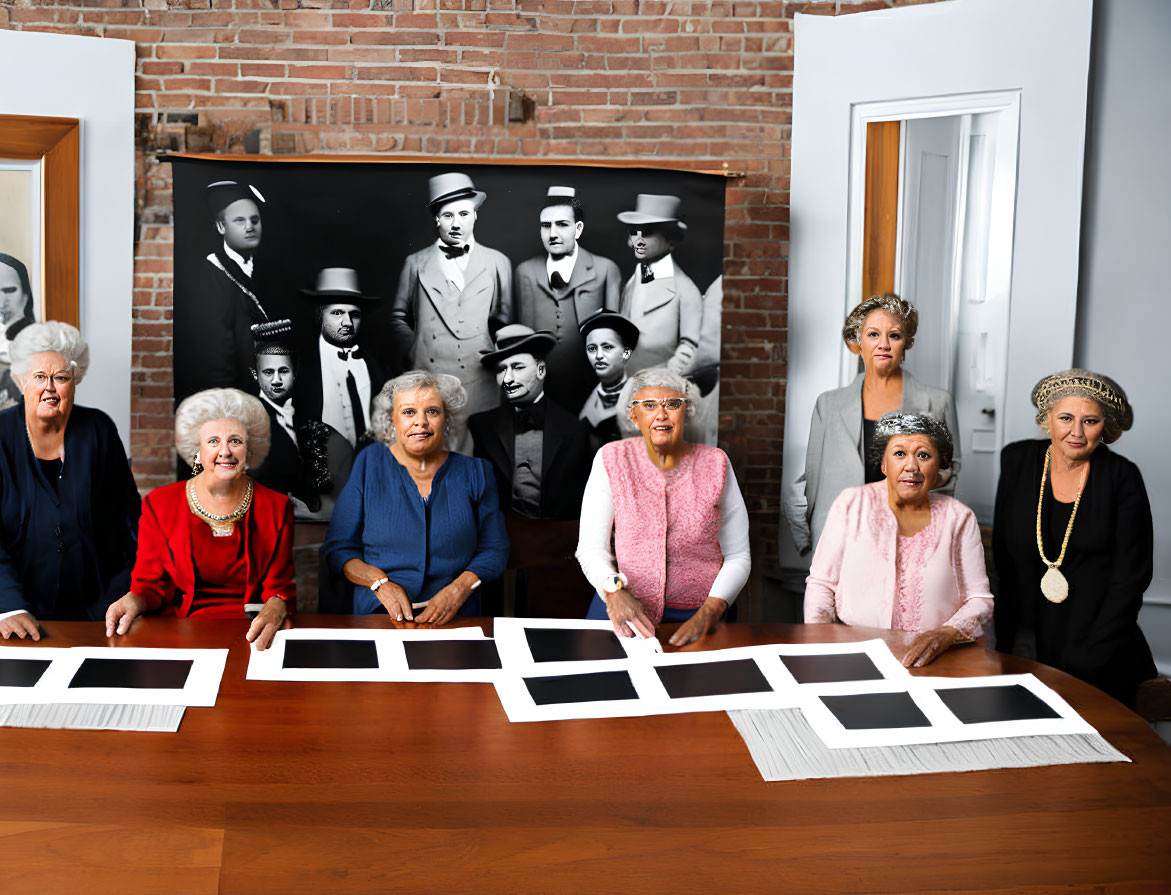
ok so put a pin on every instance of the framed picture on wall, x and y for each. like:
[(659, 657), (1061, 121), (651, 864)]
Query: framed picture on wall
[(39, 209)]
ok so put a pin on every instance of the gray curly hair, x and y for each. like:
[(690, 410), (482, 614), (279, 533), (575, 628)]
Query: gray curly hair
[(652, 377), (1102, 390), (899, 308), (52, 335), (898, 423), (222, 404), (451, 393)]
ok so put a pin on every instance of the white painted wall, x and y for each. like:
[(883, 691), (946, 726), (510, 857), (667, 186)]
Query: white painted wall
[(91, 79), (1122, 327)]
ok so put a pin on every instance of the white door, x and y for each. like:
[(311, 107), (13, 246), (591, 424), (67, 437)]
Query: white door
[(966, 57)]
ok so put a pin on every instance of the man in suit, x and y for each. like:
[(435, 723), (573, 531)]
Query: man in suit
[(560, 290), (541, 457), (659, 298), (341, 378), (452, 295)]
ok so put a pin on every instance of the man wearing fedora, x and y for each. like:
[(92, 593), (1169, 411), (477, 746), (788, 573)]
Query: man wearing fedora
[(342, 378), (215, 349), (659, 298), (452, 295), (540, 453), (560, 289)]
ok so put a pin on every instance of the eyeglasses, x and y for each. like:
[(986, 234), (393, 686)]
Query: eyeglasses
[(666, 403)]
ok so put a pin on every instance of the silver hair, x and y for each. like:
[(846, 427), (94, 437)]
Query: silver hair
[(899, 308), (52, 335), (451, 393), (653, 377), (1102, 390), (222, 404), (898, 423)]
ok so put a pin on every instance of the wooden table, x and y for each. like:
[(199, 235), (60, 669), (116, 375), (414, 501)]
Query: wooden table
[(348, 787)]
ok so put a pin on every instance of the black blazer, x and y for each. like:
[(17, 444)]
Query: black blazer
[(309, 394), (281, 469), (1094, 634), (565, 457)]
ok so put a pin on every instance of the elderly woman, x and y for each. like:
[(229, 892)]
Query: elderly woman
[(674, 510), (894, 555), (16, 312), (68, 505), (417, 526), (880, 330), (218, 545), (1073, 539)]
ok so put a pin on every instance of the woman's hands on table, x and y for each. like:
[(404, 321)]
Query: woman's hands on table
[(926, 647), (700, 623), (269, 620)]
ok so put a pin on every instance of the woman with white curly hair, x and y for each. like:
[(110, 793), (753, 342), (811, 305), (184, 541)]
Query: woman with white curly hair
[(1074, 540), (218, 545), (68, 504), (674, 513), (417, 527), (895, 555)]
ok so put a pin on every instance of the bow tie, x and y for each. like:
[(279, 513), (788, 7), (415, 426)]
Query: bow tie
[(556, 281), (454, 251), (347, 353), (528, 417), (647, 273)]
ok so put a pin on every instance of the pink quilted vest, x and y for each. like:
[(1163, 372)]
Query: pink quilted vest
[(666, 524)]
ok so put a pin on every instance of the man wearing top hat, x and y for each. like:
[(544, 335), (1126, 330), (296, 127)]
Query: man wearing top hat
[(540, 453), (341, 377), (659, 298), (557, 291), (452, 295), (229, 297)]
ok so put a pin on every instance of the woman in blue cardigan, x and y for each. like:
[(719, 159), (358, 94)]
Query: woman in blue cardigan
[(417, 527)]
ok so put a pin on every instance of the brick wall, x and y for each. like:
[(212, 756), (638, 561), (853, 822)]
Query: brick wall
[(694, 81)]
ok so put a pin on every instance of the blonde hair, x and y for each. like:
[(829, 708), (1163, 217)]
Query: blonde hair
[(899, 308), (221, 404)]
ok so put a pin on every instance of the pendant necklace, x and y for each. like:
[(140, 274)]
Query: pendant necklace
[(221, 526), (1053, 584)]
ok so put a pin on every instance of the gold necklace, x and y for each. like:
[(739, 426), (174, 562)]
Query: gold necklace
[(1053, 583), (221, 526)]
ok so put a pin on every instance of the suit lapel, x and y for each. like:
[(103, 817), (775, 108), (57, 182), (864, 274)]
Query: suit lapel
[(852, 412)]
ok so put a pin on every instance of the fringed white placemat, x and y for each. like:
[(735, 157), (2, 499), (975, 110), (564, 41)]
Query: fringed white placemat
[(94, 716), (785, 747)]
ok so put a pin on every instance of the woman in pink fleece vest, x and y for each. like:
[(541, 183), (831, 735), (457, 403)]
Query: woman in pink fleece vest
[(676, 515), (894, 555)]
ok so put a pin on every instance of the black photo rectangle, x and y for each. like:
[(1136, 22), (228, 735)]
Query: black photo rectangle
[(876, 711), (330, 654), (22, 672), (713, 679), (598, 686), (832, 667), (568, 645), (979, 705), (135, 674), (454, 655)]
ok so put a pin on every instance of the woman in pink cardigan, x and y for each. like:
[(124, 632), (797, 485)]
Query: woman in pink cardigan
[(895, 555), (676, 515)]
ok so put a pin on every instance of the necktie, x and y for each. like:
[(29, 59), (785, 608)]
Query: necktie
[(556, 281), (647, 273), (529, 417), (355, 405), (454, 251)]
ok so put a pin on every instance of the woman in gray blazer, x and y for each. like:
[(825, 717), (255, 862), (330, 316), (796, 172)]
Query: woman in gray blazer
[(879, 330)]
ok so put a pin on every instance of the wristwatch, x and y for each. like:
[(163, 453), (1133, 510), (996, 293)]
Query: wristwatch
[(614, 583)]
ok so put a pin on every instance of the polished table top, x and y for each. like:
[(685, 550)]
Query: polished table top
[(366, 787)]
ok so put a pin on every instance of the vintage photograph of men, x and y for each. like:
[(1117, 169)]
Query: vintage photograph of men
[(541, 288)]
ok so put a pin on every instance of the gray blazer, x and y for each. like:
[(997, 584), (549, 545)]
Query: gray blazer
[(833, 459)]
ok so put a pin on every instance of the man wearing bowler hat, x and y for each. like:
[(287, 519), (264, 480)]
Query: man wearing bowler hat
[(342, 378), (541, 457), (229, 296), (452, 295), (659, 298), (558, 290)]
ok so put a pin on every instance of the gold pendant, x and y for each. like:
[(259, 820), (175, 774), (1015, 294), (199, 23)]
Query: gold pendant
[(1054, 586), (220, 530)]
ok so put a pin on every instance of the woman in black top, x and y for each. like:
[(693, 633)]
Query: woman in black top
[(1073, 539)]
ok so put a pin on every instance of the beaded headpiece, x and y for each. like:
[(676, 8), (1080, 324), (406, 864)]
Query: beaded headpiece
[(1102, 390)]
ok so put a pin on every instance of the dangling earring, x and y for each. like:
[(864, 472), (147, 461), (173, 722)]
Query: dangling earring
[(196, 466)]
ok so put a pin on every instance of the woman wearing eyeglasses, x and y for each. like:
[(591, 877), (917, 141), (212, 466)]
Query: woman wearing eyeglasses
[(678, 521), (68, 505)]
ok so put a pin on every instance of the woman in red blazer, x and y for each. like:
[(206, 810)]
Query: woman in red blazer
[(210, 546)]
